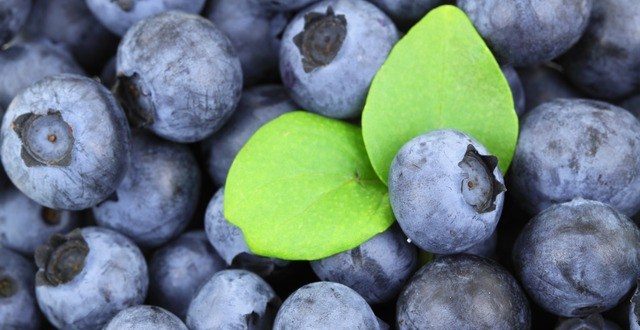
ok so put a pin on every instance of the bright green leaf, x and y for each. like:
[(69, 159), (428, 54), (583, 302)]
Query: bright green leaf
[(303, 188), (440, 75)]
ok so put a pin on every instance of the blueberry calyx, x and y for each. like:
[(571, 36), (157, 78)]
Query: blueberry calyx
[(480, 187), (135, 101), (61, 259), (321, 39), (47, 140), (50, 216), (7, 287)]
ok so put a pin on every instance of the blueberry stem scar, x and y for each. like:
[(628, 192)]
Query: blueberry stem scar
[(321, 39), (61, 259), (484, 183), (7, 287)]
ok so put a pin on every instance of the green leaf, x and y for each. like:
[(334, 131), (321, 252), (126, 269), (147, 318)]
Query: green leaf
[(440, 75), (302, 188)]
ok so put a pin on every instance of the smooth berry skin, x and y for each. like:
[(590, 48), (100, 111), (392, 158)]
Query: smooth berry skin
[(25, 225), (227, 239), (14, 14), (18, 309), (178, 270), (233, 299), (517, 89), (159, 193), (257, 106), (90, 299), (578, 258), (463, 292), (181, 85), (377, 269), (593, 153), (283, 5), (594, 321), (545, 83), (81, 136), (255, 34), (437, 207), (70, 23), (523, 32), (634, 310), (406, 13), (119, 16), (335, 86), (486, 248), (325, 305), (145, 318), (25, 63), (606, 61)]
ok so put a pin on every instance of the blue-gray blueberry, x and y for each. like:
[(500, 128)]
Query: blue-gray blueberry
[(446, 191), (283, 5), (330, 53), (517, 89), (591, 322), (145, 317), (159, 193), (178, 270), (407, 12), (578, 258), (572, 148), (486, 248), (463, 292), (13, 15), (233, 299), (65, 142), (88, 276), (179, 76), (18, 308), (544, 83)]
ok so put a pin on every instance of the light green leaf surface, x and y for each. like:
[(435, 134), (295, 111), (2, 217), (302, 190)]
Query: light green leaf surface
[(302, 188), (440, 75)]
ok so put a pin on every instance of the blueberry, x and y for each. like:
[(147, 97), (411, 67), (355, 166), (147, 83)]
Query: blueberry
[(325, 305), (13, 15), (254, 32), (233, 299), (65, 142), (25, 225), (523, 32), (70, 23), (486, 248), (228, 240), (159, 193), (283, 5), (606, 61), (330, 53), (377, 269), (446, 191), (463, 292), (578, 258), (178, 75), (88, 276), (18, 308), (594, 153), (634, 310), (145, 318), (178, 270), (25, 63), (517, 89), (407, 12), (591, 322), (119, 15), (257, 106), (545, 83)]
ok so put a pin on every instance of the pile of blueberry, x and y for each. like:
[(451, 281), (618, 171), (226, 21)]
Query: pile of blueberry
[(122, 119)]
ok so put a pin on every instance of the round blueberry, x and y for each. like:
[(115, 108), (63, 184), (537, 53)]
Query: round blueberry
[(578, 258), (593, 153), (517, 90), (254, 33), (65, 142), (377, 269), (257, 106), (25, 225), (228, 240), (591, 322), (407, 12), (159, 193), (330, 53), (145, 318), (524, 32), (486, 248), (463, 292), (233, 299), (25, 63), (118, 16), (544, 83), (88, 276), (18, 309), (606, 61), (178, 75), (178, 270), (13, 15), (634, 310), (283, 5), (325, 305), (446, 191)]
